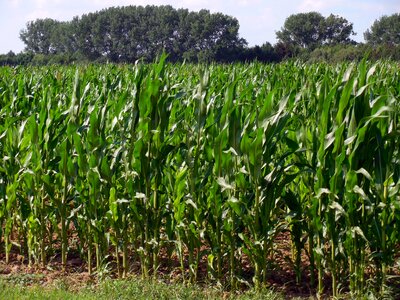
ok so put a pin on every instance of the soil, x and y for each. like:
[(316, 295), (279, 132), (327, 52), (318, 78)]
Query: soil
[(282, 277)]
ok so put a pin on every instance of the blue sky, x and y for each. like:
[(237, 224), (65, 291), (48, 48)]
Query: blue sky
[(259, 19)]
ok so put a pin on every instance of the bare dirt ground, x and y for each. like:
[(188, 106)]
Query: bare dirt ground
[(282, 277)]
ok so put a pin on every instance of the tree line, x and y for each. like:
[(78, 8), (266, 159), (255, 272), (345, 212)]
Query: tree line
[(126, 34)]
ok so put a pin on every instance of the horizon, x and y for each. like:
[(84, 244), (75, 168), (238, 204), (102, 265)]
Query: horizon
[(259, 20)]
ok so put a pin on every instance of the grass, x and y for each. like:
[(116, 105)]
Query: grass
[(34, 286), (31, 287)]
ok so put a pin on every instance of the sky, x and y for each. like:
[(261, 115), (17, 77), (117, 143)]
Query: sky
[(258, 19)]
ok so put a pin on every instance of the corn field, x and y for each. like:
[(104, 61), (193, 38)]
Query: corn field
[(205, 165)]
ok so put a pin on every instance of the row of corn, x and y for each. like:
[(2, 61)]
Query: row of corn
[(205, 165)]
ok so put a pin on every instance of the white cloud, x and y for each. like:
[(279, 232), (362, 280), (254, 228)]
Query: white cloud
[(249, 2), (42, 14), (369, 7), (318, 5), (116, 3), (41, 3), (46, 3), (15, 3)]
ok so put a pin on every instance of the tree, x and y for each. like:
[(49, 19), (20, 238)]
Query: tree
[(311, 30), (39, 36), (386, 30), (303, 30), (263, 53), (208, 37), (337, 30), (125, 34), (83, 36), (7, 59), (12, 59)]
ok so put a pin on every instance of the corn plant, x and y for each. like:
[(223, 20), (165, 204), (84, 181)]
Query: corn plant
[(208, 165)]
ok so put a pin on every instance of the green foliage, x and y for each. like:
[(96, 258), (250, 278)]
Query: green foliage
[(125, 34), (12, 59), (351, 53), (263, 53), (311, 30), (336, 54), (131, 33), (337, 30), (147, 164), (29, 287), (385, 30), (39, 36)]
